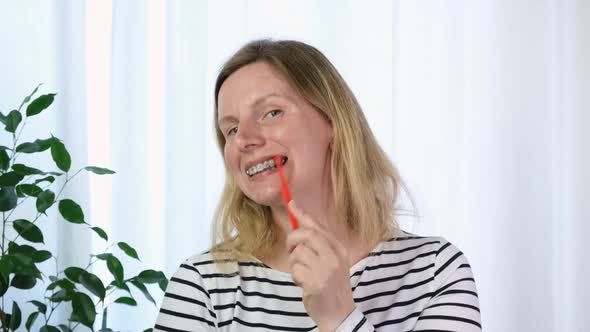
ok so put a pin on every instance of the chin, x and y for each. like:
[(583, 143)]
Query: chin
[(266, 198)]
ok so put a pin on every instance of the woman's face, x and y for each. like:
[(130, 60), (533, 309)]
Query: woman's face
[(262, 116)]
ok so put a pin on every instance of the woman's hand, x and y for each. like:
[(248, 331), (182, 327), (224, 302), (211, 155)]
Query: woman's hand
[(319, 264)]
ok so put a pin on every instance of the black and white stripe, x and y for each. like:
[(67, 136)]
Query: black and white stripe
[(409, 283)]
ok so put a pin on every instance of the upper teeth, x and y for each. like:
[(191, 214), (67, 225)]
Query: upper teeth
[(260, 167)]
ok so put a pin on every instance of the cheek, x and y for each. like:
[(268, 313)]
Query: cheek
[(230, 156), (282, 135)]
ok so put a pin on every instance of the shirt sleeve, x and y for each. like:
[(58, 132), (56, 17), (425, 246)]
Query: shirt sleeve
[(187, 304), (454, 305), (355, 322)]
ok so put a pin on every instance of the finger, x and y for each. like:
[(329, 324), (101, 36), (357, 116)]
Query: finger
[(304, 255), (313, 239), (299, 272), (298, 237)]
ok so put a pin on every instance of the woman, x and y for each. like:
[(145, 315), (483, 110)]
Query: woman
[(348, 267)]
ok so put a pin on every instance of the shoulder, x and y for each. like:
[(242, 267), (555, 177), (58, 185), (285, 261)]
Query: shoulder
[(409, 243), (444, 257), (211, 267), (206, 263)]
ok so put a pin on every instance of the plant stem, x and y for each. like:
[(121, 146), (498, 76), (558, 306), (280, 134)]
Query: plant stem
[(2, 317), (23, 200), (4, 219), (47, 318), (55, 200), (11, 161), (15, 139)]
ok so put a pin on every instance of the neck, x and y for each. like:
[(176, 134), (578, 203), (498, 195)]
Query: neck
[(323, 211)]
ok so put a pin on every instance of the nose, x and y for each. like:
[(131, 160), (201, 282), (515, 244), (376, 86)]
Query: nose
[(248, 136)]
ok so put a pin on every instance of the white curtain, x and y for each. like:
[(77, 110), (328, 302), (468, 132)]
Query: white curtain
[(483, 105)]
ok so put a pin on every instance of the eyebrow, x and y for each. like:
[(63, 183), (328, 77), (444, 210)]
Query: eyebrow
[(256, 103)]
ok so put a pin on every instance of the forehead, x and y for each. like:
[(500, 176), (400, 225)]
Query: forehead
[(250, 85)]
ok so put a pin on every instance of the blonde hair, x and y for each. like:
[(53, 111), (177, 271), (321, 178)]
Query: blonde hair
[(365, 183)]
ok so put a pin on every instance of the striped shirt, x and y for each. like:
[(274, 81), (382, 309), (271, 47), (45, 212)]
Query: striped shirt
[(408, 283)]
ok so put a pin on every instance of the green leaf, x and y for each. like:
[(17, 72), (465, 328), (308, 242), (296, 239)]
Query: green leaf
[(143, 289), (28, 230), (99, 170), (115, 267), (14, 248), (64, 328), (39, 104), (93, 284), (163, 284), (49, 328), (101, 233), (73, 273), (63, 295), (83, 309), (15, 317), (65, 292), (49, 179), (3, 285), (31, 320), (12, 121), (6, 265), (126, 300), (23, 281), (22, 262), (28, 98), (4, 159), (26, 170), (24, 265), (21, 257), (60, 155), (10, 179), (8, 198), (103, 256), (28, 147), (151, 276), (128, 250), (41, 307), (19, 192), (71, 211), (39, 145), (120, 285), (28, 189), (45, 200), (41, 256), (149, 330)]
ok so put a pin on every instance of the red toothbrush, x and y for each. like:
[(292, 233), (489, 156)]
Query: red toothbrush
[(285, 192)]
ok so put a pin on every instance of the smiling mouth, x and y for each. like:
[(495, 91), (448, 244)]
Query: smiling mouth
[(264, 167)]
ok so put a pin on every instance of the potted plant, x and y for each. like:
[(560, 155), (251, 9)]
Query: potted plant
[(23, 247)]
